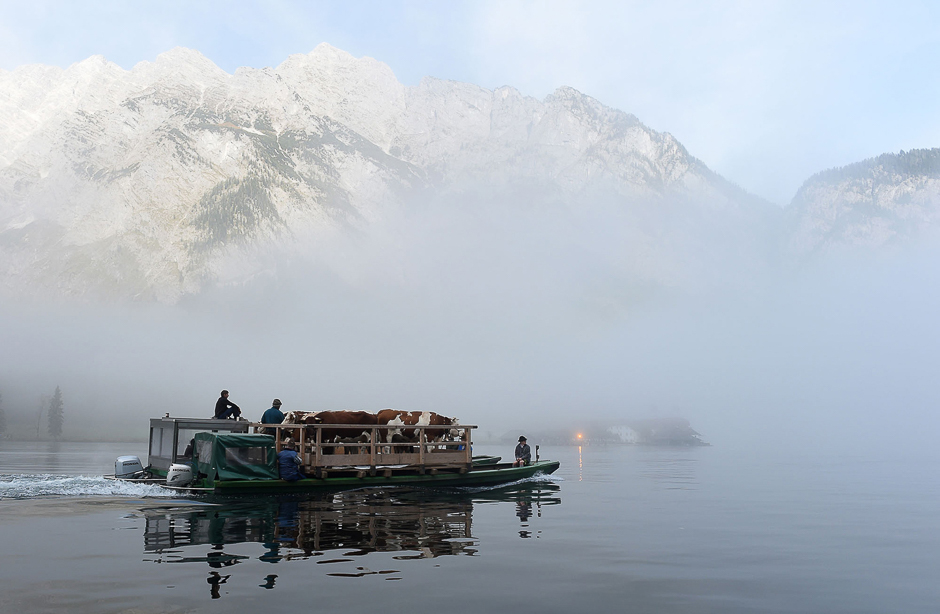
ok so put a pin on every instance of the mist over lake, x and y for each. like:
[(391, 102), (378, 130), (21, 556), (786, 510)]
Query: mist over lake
[(691, 252)]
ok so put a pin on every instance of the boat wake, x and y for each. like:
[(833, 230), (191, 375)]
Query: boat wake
[(48, 485), (539, 478)]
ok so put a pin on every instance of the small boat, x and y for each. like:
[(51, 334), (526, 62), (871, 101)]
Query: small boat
[(235, 457)]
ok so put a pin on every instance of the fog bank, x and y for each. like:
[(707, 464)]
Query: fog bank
[(511, 321)]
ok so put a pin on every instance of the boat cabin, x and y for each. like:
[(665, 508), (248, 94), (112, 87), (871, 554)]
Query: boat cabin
[(236, 456), (171, 439)]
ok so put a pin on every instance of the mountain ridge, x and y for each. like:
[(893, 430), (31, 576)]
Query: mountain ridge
[(151, 182)]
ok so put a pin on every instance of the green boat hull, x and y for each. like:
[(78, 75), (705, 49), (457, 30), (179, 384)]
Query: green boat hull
[(482, 476)]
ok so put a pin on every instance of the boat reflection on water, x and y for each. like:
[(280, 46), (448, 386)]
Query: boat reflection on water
[(529, 502), (416, 523)]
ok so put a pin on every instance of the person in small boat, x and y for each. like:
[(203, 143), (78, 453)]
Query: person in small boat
[(272, 416), (288, 463), (523, 453), (225, 409)]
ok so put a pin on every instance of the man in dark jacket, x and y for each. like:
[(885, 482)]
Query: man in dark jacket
[(274, 415), (225, 408), (523, 453), (288, 463)]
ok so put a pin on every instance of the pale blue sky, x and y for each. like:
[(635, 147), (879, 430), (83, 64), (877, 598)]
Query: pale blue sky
[(765, 93)]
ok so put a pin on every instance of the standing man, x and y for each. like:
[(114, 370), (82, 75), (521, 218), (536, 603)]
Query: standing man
[(523, 454), (272, 416), (226, 409)]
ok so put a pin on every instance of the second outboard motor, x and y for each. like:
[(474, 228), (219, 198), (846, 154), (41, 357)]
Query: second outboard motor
[(128, 467), (179, 475)]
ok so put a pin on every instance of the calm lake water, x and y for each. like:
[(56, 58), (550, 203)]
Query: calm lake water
[(616, 529)]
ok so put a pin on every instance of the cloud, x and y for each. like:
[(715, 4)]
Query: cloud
[(765, 93)]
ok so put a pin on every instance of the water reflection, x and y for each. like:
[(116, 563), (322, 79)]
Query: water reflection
[(269, 581), (216, 579), (336, 528), (580, 466), (50, 455), (528, 502)]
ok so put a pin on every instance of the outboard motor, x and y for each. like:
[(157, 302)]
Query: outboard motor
[(179, 475), (128, 467)]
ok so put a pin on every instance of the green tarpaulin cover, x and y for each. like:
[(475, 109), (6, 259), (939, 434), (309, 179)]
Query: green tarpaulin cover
[(236, 456)]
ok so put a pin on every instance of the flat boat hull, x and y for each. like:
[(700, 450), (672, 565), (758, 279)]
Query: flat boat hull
[(483, 476)]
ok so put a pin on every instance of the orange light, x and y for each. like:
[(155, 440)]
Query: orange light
[(579, 435)]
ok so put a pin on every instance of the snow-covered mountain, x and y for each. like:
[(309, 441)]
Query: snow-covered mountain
[(137, 181), (155, 181), (879, 201)]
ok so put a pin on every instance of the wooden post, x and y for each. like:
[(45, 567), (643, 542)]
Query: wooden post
[(319, 456), (375, 434), (421, 440)]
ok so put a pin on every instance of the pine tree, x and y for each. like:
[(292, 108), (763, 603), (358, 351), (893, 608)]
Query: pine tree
[(55, 414), (3, 418)]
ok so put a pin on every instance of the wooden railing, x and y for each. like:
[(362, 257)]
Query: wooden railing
[(451, 450)]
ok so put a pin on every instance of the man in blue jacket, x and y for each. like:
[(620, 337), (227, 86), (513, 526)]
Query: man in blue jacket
[(288, 463), (272, 416)]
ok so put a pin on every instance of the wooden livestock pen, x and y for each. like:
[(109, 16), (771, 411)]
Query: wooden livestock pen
[(374, 455)]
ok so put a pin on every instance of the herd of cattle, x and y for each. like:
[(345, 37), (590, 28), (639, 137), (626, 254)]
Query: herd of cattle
[(394, 423)]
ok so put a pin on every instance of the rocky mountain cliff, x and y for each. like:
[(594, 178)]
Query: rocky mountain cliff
[(158, 181), (149, 182), (880, 201)]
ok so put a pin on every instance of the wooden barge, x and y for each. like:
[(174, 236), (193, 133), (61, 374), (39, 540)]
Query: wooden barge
[(238, 457)]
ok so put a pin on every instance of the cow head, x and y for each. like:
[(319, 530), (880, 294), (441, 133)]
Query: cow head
[(392, 432)]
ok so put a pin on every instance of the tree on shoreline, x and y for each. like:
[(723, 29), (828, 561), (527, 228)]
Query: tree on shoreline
[(3, 418), (56, 414)]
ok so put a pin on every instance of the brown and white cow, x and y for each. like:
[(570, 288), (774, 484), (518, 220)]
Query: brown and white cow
[(297, 417), (336, 435), (398, 419), (345, 435)]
